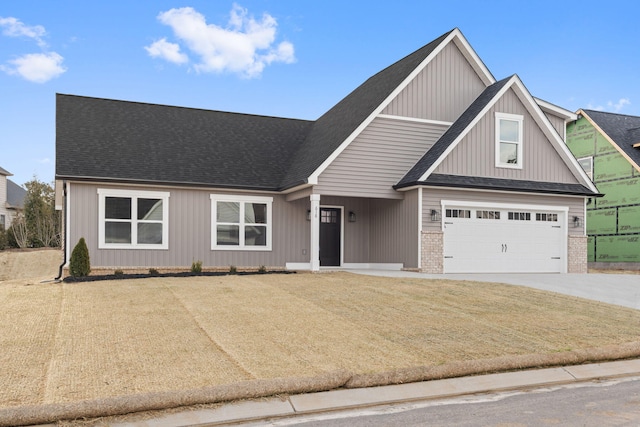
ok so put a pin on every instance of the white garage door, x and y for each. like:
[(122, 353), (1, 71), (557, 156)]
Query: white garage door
[(502, 240)]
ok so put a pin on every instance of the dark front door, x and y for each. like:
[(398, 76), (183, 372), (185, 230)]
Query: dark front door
[(329, 237)]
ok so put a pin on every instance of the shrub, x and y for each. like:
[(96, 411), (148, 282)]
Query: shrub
[(196, 267), (154, 272), (262, 269), (79, 265), (233, 269), (4, 240), (118, 272)]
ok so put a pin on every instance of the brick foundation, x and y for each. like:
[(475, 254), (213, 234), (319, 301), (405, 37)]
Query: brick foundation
[(432, 252), (577, 254)]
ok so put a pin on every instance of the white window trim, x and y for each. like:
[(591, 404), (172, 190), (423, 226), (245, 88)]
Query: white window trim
[(134, 195), (520, 120), (590, 158), (240, 199)]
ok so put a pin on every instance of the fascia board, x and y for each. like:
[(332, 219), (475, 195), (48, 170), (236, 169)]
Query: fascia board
[(468, 53), (558, 111), (464, 133), (561, 147), (608, 138)]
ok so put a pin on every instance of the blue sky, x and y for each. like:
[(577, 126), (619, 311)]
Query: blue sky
[(288, 58)]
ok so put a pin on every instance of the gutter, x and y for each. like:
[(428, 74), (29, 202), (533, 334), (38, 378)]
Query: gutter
[(63, 224)]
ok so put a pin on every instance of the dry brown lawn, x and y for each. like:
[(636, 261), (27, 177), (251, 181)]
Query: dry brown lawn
[(64, 342)]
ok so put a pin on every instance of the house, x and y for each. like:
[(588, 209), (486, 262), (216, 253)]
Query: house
[(607, 146), (430, 165), (11, 199)]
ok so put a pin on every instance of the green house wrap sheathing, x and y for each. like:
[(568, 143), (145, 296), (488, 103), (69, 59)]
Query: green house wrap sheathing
[(613, 221)]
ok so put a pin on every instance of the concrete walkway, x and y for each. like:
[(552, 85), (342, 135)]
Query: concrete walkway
[(315, 403), (618, 289)]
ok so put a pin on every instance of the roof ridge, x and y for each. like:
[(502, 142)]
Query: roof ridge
[(609, 113), (154, 104)]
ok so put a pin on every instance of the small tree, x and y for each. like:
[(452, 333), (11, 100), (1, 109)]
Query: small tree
[(19, 232), (79, 264)]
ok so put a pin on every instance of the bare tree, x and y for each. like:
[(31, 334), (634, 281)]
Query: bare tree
[(20, 230)]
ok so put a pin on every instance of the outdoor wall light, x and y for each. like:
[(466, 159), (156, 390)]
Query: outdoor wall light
[(308, 214), (352, 216), (435, 215), (577, 222)]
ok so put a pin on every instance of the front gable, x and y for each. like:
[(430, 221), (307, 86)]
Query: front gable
[(441, 91), (475, 154)]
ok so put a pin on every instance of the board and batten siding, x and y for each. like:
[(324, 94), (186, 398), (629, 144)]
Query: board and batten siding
[(442, 91), (475, 154), (378, 158), (432, 197), (190, 231), (394, 230)]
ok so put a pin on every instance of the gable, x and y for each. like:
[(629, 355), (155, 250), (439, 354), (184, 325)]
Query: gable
[(441, 91), (475, 153)]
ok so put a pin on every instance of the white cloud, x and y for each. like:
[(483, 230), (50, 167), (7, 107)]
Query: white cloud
[(610, 106), (619, 105), (245, 46), (168, 51), (36, 67), (13, 27)]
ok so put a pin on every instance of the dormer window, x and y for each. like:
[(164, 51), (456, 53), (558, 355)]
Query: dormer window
[(508, 141)]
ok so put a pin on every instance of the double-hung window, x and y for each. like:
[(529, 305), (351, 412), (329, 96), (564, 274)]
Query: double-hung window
[(241, 222), (508, 141), (587, 165), (130, 219)]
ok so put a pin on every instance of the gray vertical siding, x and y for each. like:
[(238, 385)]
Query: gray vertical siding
[(431, 198), (378, 158), (190, 232), (394, 230), (557, 122), (475, 154), (442, 91)]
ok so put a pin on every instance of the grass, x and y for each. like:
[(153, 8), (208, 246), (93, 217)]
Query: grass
[(68, 342)]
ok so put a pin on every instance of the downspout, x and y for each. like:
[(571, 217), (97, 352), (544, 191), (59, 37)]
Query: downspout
[(63, 224)]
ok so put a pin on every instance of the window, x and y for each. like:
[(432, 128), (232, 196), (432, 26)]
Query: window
[(458, 213), (130, 219), (488, 214), (240, 222), (549, 217), (519, 216), (587, 165), (3, 223), (329, 217), (508, 141)]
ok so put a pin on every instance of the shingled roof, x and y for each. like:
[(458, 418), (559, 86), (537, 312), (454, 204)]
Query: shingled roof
[(102, 139), (622, 129)]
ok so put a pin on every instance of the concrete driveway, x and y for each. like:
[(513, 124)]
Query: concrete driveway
[(618, 289)]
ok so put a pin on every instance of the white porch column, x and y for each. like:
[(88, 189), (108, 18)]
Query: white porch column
[(315, 232)]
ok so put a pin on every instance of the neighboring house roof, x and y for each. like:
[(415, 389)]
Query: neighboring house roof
[(622, 130), (5, 172), (104, 139), (15, 195)]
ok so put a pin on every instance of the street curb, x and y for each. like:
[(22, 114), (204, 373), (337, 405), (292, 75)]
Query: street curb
[(336, 400)]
